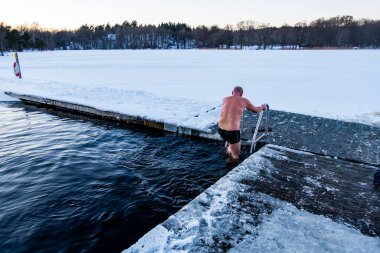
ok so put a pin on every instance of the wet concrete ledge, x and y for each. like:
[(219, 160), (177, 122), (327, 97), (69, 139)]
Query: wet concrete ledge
[(111, 116)]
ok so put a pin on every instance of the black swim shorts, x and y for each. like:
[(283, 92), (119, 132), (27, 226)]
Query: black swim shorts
[(231, 137)]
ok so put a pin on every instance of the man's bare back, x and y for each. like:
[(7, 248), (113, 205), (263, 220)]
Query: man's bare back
[(229, 122), (232, 110)]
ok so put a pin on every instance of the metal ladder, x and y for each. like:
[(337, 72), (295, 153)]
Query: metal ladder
[(255, 139)]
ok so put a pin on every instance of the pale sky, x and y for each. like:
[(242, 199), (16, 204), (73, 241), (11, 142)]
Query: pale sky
[(73, 13)]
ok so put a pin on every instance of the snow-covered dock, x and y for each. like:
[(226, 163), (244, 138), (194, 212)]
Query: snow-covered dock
[(344, 140), (277, 200), (112, 115)]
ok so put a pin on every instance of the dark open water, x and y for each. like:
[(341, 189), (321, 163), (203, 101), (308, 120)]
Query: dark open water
[(74, 184)]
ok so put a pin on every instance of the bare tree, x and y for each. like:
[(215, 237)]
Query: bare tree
[(241, 34)]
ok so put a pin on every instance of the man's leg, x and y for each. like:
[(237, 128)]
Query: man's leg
[(235, 150)]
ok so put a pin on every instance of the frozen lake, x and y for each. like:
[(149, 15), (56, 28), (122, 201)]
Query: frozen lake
[(175, 85)]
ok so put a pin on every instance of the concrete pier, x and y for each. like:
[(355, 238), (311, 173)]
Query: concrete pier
[(329, 137), (111, 116), (277, 200)]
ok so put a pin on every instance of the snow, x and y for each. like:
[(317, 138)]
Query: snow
[(155, 241), (291, 230), (176, 85)]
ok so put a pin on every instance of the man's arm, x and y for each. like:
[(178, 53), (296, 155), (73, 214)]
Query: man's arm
[(253, 108)]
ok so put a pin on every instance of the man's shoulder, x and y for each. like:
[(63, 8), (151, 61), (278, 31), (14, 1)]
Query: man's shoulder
[(227, 98), (236, 100), (246, 100)]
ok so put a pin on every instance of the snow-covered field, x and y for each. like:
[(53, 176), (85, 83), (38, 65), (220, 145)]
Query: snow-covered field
[(175, 85)]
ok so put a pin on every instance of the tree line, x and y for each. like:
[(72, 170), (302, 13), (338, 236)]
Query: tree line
[(335, 32)]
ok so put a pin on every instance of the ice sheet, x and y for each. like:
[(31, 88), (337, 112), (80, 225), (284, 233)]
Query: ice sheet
[(178, 84)]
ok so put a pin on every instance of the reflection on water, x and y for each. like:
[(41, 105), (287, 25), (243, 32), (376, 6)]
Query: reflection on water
[(71, 184)]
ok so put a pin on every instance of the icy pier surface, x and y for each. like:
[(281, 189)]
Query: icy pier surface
[(277, 200), (335, 138), (90, 111)]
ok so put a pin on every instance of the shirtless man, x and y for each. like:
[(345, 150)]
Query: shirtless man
[(229, 122)]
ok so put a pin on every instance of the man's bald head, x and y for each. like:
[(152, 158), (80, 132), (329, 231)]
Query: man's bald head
[(237, 91)]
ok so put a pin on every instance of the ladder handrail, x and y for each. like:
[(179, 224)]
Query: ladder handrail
[(254, 139)]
